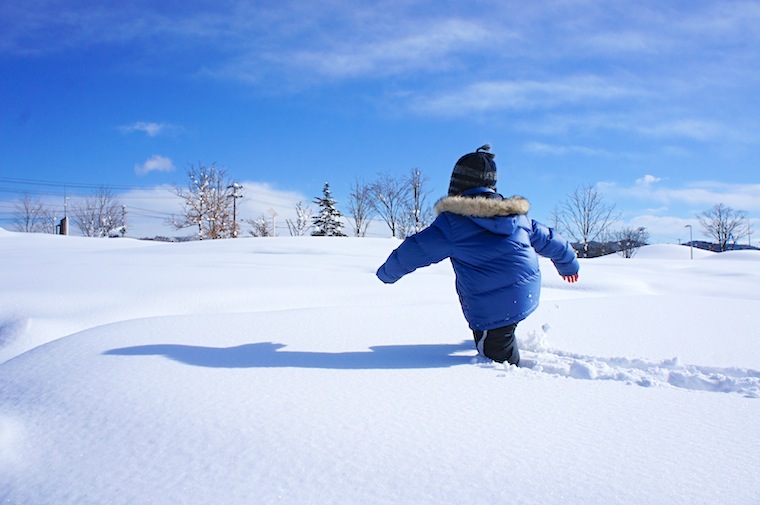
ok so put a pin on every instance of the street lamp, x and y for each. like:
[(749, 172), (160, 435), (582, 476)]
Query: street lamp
[(691, 241), (274, 227)]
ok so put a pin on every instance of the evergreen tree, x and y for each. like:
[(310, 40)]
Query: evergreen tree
[(327, 222)]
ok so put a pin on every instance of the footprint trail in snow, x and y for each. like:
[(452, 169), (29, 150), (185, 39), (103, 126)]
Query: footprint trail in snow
[(538, 356)]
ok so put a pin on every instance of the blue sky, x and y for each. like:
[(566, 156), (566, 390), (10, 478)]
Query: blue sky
[(655, 103)]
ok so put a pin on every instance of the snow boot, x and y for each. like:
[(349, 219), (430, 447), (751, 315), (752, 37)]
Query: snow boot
[(498, 344)]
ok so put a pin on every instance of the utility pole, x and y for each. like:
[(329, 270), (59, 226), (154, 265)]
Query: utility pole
[(200, 218), (235, 187), (63, 227), (123, 221)]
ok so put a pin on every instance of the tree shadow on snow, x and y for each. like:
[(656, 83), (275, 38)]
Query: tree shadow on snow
[(271, 355)]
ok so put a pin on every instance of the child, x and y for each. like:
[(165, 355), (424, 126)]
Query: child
[(492, 244)]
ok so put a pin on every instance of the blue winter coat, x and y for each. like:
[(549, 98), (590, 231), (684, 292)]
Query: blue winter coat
[(492, 244)]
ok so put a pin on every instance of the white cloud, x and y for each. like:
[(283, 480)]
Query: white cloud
[(360, 43), (259, 197), (697, 195), (155, 163), (557, 150), (663, 228), (418, 48), (647, 180), (525, 95), (149, 128), (622, 43), (687, 128)]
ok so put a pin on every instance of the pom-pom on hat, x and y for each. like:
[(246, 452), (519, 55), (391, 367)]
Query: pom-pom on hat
[(474, 170)]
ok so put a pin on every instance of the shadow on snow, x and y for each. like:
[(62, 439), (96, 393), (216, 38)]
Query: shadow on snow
[(271, 355)]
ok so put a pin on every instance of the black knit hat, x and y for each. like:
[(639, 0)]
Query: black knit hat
[(474, 170)]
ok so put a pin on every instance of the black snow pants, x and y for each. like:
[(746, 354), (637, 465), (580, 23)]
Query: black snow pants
[(498, 344)]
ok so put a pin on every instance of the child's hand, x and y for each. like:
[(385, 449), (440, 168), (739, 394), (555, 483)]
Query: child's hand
[(571, 278)]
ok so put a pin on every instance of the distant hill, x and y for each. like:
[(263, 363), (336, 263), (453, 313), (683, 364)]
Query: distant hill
[(596, 249), (709, 246)]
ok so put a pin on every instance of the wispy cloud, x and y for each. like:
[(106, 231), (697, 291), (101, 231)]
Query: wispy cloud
[(653, 190), (664, 208), (562, 150), (525, 95), (670, 65), (696, 129), (155, 163), (640, 118), (372, 44), (149, 128), (429, 46)]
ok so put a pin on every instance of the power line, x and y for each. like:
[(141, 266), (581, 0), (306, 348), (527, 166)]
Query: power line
[(61, 184), (57, 189), (65, 191)]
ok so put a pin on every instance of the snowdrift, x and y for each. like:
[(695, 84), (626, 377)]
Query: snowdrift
[(281, 371)]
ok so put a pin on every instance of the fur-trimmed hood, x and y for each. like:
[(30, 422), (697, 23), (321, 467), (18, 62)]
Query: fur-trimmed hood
[(483, 207), (502, 216)]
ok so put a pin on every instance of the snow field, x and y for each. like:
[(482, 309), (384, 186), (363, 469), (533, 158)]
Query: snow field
[(281, 371)]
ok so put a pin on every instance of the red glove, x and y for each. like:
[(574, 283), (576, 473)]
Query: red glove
[(571, 278)]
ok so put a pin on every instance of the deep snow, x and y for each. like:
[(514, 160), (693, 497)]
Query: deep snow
[(282, 371)]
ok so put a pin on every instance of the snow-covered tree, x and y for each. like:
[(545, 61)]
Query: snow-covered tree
[(208, 202), (327, 223), (302, 223), (261, 226), (100, 215)]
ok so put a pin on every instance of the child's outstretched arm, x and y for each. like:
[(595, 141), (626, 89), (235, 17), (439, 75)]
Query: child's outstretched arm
[(429, 246), (550, 244)]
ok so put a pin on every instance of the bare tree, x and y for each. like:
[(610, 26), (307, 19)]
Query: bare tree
[(208, 202), (261, 226), (100, 215), (388, 197), (555, 221), (32, 216), (302, 223), (585, 217), (629, 240), (724, 224), (749, 232), (47, 221), (360, 206), (417, 213)]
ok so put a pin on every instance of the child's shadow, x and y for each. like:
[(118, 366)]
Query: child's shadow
[(271, 355)]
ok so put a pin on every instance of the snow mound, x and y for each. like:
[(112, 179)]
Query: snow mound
[(743, 255), (282, 371), (670, 252)]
